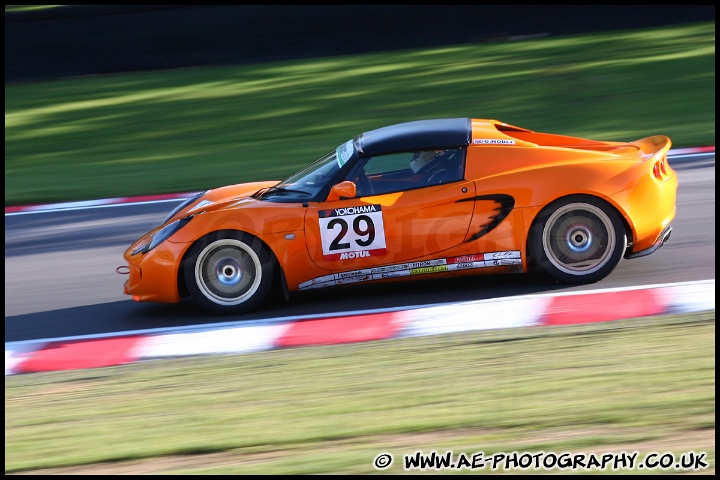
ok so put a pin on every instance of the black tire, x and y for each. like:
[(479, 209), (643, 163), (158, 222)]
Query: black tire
[(228, 273), (578, 239)]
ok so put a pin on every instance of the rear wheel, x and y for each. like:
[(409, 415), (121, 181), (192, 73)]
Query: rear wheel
[(578, 239), (228, 272)]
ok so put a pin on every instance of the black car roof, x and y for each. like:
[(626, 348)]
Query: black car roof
[(417, 135)]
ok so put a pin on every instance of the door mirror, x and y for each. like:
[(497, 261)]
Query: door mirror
[(345, 189)]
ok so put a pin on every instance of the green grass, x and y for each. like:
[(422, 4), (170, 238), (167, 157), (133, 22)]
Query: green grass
[(191, 129), (633, 385), (23, 8)]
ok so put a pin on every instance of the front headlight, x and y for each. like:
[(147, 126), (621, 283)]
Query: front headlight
[(184, 204), (162, 235)]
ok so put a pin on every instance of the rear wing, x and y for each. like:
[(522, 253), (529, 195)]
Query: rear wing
[(654, 147), (653, 153)]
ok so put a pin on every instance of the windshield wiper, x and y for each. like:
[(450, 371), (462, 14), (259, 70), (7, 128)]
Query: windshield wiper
[(276, 189)]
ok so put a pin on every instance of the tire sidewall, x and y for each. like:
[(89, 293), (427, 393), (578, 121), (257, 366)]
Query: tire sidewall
[(540, 258), (260, 293)]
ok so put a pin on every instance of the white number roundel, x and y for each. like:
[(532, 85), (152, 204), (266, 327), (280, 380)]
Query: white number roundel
[(352, 232)]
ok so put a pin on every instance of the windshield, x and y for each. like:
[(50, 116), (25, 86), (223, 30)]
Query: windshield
[(308, 182)]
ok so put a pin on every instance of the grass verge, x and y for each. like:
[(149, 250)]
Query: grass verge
[(642, 385)]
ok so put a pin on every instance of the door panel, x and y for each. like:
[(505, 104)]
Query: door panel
[(390, 228)]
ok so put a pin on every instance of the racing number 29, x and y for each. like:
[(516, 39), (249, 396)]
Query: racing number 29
[(362, 225), (348, 231)]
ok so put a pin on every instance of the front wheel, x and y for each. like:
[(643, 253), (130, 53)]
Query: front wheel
[(228, 272), (578, 240)]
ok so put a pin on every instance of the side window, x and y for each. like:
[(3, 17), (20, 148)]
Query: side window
[(397, 163), (402, 171)]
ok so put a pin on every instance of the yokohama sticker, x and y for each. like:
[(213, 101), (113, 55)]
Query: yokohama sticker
[(352, 232)]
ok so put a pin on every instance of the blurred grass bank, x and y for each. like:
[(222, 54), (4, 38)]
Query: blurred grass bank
[(190, 129)]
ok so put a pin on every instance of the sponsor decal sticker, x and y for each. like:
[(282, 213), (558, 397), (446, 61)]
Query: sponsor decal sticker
[(393, 274), (356, 273), (344, 152), (423, 270), (502, 262), (391, 268), (438, 265), (323, 281), (308, 285), (428, 263), (463, 266), (363, 278), (465, 259), (493, 141), (502, 255)]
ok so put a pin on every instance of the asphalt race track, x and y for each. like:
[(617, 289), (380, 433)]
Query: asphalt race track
[(60, 278)]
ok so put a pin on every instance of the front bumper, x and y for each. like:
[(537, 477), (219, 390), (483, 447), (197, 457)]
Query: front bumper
[(153, 276)]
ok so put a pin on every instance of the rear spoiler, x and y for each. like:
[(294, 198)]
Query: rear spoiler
[(653, 153), (654, 147)]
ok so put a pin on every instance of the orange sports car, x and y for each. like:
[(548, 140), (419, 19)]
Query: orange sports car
[(415, 200)]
